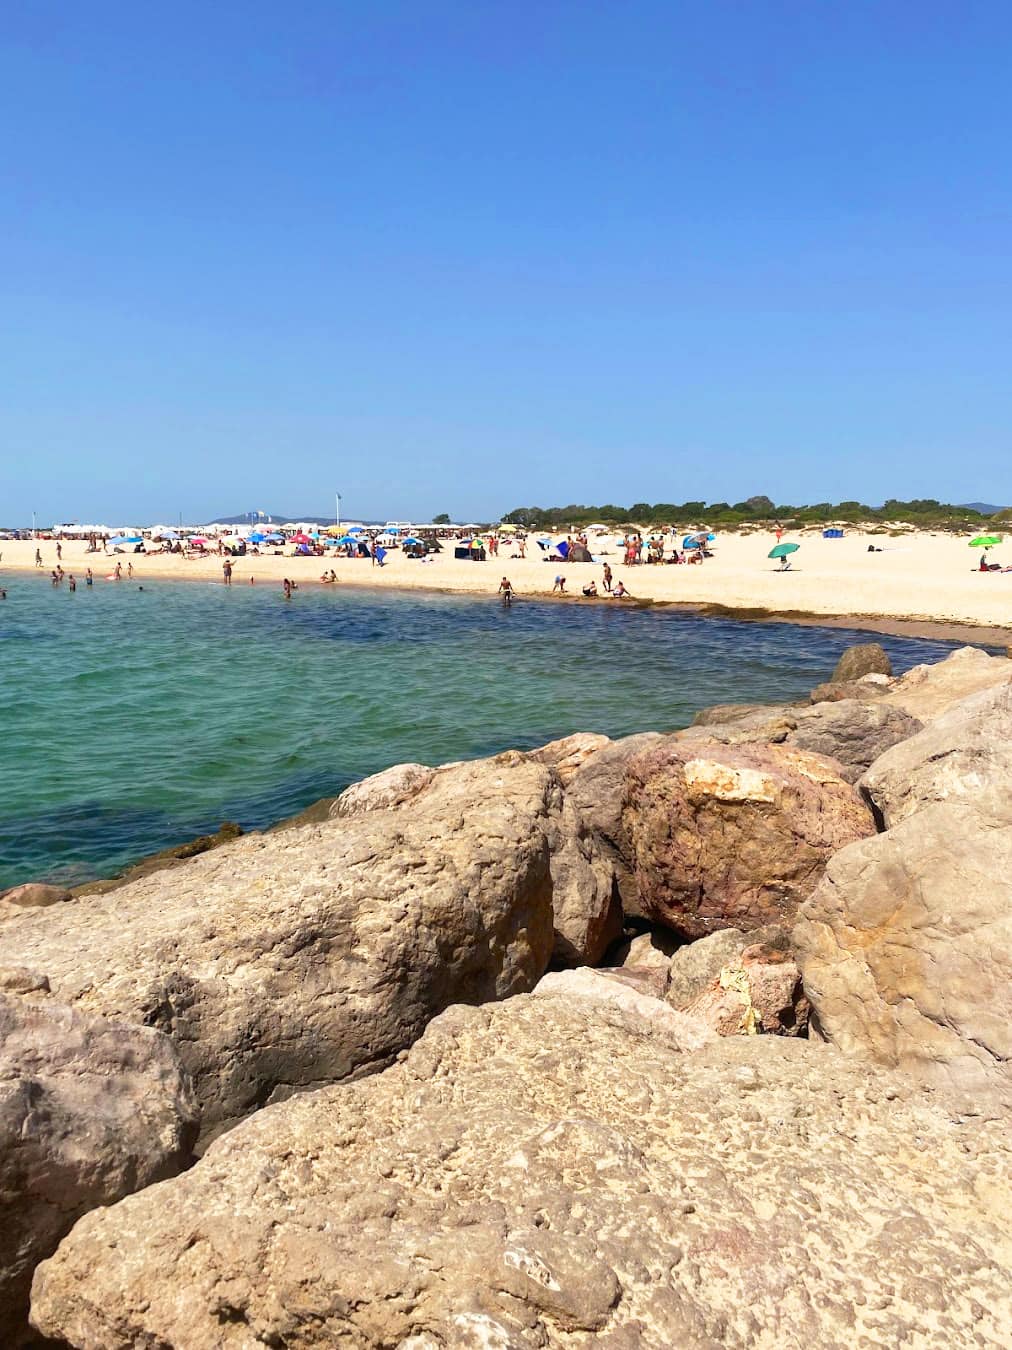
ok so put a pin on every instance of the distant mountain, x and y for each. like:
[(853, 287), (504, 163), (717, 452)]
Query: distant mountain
[(985, 508), (276, 518)]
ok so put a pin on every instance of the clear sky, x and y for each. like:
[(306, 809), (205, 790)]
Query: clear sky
[(455, 255)]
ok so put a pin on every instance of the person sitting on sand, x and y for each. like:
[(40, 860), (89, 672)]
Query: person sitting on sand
[(590, 590), (560, 585), (620, 592)]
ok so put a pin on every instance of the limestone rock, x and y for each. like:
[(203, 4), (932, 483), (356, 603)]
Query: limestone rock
[(90, 1110), (626, 1006), (870, 687), (652, 950), (733, 836), (549, 1173), (930, 690), (864, 658), (760, 993), (567, 755), (853, 732), (696, 965), (392, 787), (585, 900), (35, 895), (905, 947), (964, 752), (316, 954)]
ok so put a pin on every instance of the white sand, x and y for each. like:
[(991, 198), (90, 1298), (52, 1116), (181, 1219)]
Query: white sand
[(929, 577)]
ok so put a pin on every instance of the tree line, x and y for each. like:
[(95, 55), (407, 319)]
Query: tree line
[(923, 511)]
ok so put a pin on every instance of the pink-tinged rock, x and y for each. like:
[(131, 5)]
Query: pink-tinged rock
[(759, 995), (569, 753), (35, 895), (738, 836)]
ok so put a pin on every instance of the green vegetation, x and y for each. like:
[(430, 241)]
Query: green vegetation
[(926, 513)]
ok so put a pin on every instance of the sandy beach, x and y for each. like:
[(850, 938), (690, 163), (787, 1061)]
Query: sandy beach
[(920, 582)]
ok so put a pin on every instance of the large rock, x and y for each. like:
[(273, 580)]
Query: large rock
[(553, 1172), (864, 658), (587, 911), (963, 753), (316, 954), (852, 732), (696, 965), (906, 947), (90, 1110), (733, 836), (930, 690)]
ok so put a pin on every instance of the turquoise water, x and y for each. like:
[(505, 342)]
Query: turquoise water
[(130, 721)]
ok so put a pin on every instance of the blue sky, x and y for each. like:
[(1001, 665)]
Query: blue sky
[(466, 256)]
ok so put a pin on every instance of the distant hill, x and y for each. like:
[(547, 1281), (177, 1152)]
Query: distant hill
[(275, 517), (985, 508)]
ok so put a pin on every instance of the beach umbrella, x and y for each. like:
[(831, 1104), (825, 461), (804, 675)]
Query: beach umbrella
[(257, 538), (348, 539), (356, 529), (411, 540), (134, 539), (691, 541), (274, 538), (118, 542), (300, 539), (783, 550), (985, 541), (198, 539)]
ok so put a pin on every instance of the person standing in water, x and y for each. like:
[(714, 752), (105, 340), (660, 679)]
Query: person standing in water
[(72, 582), (88, 578), (226, 572)]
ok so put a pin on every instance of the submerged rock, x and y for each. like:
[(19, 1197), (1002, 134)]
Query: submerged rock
[(733, 836), (551, 1172), (906, 948), (316, 954), (90, 1110)]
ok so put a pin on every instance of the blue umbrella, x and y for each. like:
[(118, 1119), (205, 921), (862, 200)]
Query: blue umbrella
[(411, 540), (690, 541), (347, 539), (257, 538), (118, 542)]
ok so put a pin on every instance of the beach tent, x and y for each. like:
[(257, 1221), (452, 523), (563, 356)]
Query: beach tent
[(832, 534), (562, 548)]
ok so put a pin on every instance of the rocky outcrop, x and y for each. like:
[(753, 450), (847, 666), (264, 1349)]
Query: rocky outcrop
[(757, 994), (905, 947), (864, 658), (550, 1172), (852, 732), (392, 787), (964, 753), (733, 836), (90, 1110), (316, 954), (867, 688), (587, 911), (930, 690)]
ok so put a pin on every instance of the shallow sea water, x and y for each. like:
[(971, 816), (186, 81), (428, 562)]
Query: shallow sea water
[(130, 721)]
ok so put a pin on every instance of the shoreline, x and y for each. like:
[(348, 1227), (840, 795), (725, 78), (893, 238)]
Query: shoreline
[(991, 628)]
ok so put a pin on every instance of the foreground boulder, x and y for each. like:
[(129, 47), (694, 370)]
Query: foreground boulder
[(392, 787), (864, 658), (90, 1110), (35, 895), (963, 753), (852, 732), (555, 1172), (316, 954), (906, 948), (733, 836)]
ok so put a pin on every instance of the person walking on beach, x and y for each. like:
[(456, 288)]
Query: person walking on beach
[(118, 574), (607, 578), (59, 551), (226, 572), (130, 569), (38, 558), (560, 585)]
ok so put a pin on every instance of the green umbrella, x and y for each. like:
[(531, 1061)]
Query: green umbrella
[(782, 550), (985, 541)]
